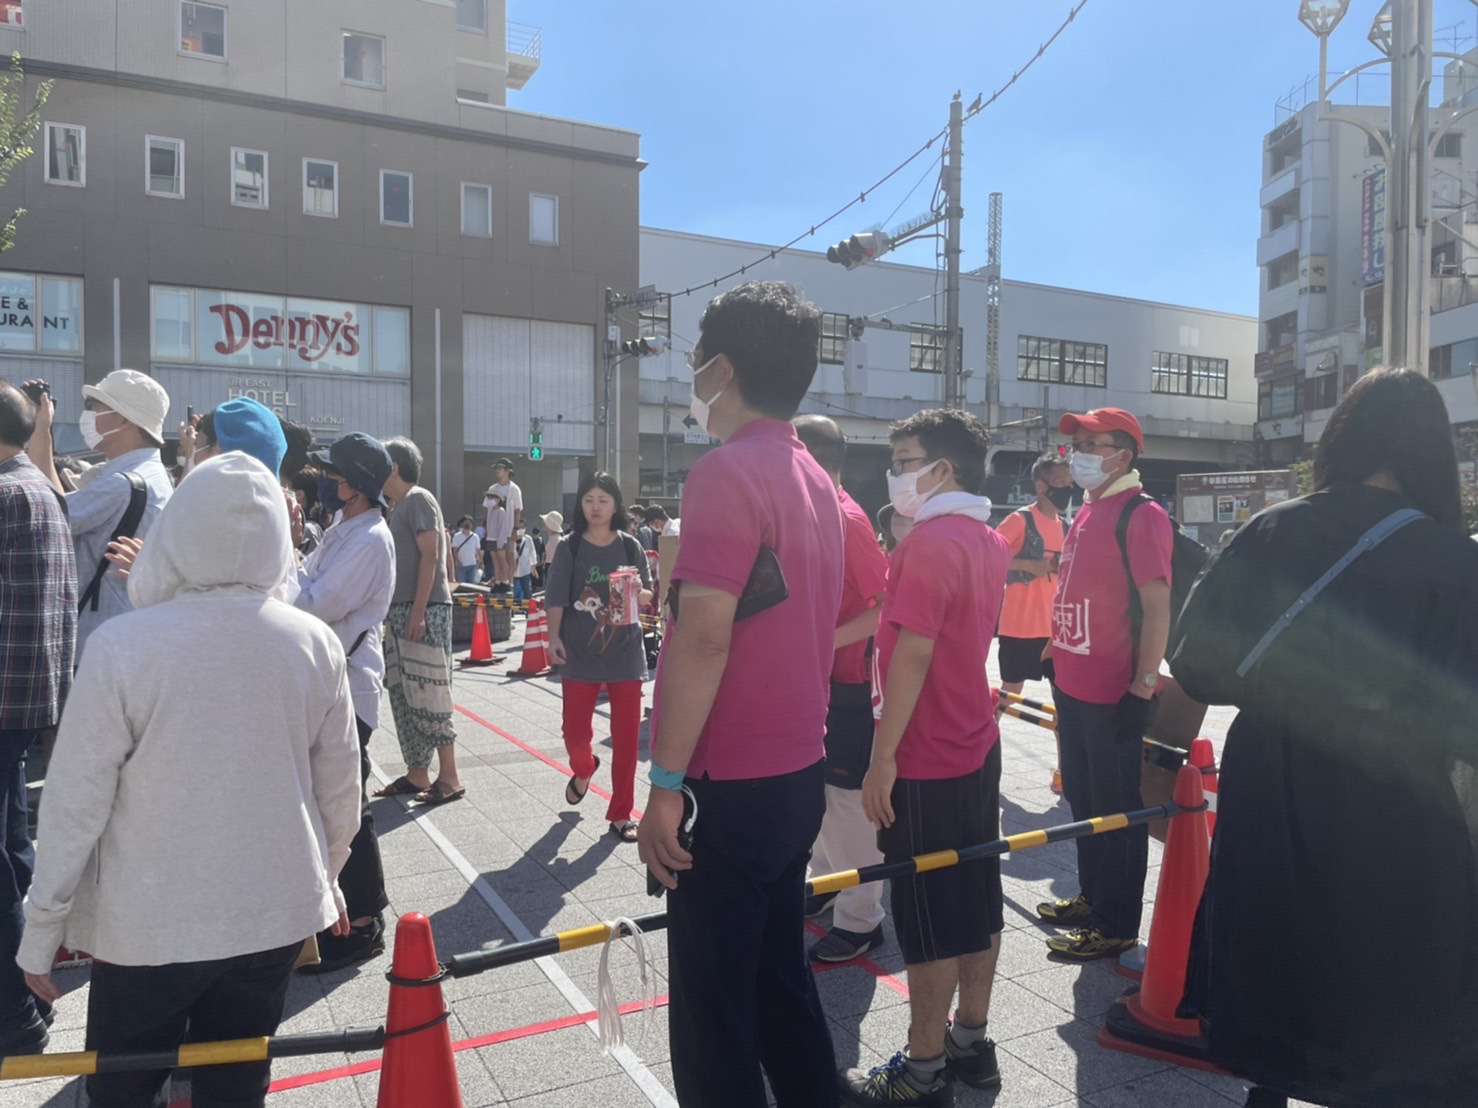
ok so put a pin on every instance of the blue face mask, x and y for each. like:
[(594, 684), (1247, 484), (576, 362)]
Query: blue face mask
[(328, 495)]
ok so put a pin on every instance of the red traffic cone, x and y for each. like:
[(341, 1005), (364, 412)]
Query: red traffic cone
[(1204, 759), (418, 1070), (1146, 1022), (481, 653), (535, 643)]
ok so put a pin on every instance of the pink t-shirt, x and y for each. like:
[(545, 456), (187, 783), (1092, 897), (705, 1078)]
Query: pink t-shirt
[(945, 582), (1092, 641), (761, 488), (864, 573)]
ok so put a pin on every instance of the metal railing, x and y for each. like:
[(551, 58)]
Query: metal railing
[(525, 40)]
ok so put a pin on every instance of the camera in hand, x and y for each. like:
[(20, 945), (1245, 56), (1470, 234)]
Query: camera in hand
[(36, 390)]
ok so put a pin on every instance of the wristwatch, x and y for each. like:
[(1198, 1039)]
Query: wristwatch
[(1149, 680)]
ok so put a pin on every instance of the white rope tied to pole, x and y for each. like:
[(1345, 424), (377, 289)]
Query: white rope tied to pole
[(607, 1003)]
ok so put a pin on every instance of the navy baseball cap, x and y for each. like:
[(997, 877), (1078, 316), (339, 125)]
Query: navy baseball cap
[(363, 461)]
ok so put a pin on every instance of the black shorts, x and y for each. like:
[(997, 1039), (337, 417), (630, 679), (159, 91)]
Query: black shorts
[(948, 912), (1020, 659)]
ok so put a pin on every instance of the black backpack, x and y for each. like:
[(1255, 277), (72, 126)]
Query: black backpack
[(1187, 559), (1032, 546)]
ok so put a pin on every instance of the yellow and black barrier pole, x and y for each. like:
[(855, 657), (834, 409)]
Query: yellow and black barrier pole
[(1027, 717), (1046, 707), (86, 1063), (479, 961)]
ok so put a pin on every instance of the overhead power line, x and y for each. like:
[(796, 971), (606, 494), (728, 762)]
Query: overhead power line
[(978, 105)]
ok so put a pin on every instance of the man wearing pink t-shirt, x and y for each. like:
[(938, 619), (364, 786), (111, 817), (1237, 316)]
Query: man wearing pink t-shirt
[(1106, 667), (847, 840), (740, 717), (935, 776)]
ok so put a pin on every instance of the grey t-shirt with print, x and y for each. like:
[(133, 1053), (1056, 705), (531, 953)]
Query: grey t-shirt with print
[(597, 650)]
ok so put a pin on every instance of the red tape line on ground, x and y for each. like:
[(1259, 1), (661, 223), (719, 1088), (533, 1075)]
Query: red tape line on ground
[(546, 759), (863, 963)]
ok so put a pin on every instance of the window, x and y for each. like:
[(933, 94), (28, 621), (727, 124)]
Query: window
[(1450, 145), (925, 353), (55, 328), (248, 178), (164, 166), (1439, 363), (655, 319), (1188, 375), (203, 30), (1063, 361), (364, 59), (472, 15), (320, 188), (477, 210), (1278, 399), (832, 349), (66, 155), (395, 198), (1282, 270), (543, 219), (172, 331), (1282, 331), (1323, 391)]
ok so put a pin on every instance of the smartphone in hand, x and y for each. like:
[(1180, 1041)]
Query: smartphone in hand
[(684, 838)]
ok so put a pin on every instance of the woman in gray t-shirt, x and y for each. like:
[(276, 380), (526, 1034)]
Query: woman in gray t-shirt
[(592, 650)]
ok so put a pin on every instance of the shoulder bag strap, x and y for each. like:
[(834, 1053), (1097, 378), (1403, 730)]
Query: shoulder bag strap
[(138, 500), (1367, 542)]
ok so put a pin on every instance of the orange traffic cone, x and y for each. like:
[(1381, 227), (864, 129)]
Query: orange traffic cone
[(418, 1070), (1204, 759), (535, 643), (1145, 1023), (481, 653)]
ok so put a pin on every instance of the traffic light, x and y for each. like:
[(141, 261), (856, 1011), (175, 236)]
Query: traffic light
[(536, 439), (644, 348), (864, 247)]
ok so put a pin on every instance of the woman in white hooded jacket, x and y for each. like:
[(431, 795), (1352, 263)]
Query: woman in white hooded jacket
[(198, 808)]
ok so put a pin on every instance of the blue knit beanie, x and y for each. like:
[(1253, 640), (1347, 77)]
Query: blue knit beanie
[(252, 428)]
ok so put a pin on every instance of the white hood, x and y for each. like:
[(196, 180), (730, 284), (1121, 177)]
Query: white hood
[(226, 527)]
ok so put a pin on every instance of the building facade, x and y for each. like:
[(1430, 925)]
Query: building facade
[(1322, 262), (327, 206), (1185, 372)]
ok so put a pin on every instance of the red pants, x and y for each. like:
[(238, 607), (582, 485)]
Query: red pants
[(579, 711)]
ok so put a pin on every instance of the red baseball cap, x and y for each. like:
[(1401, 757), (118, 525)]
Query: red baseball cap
[(1103, 419)]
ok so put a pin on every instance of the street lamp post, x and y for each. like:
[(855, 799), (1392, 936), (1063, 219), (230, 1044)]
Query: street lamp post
[(1402, 31)]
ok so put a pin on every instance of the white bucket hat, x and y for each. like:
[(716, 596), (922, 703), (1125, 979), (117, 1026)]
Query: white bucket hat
[(554, 521), (135, 396)]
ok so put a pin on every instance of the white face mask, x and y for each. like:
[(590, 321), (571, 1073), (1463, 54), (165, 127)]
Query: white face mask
[(1087, 470), (87, 423), (904, 494), (700, 408)]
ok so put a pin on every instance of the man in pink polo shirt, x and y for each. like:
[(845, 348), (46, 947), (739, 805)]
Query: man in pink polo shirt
[(934, 782), (847, 840), (741, 698), (1106, 665)]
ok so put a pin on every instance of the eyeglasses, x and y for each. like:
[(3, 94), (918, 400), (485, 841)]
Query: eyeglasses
[(897, 469), (1092, 447), (691, 357)]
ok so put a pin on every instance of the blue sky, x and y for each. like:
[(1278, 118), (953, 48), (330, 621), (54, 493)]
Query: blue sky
[(1129, 156)]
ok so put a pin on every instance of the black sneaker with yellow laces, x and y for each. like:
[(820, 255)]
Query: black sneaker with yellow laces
[(893, 1083), (1087, 944), (1064, 913)]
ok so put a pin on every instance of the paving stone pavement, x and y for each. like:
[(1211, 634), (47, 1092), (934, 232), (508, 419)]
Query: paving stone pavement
[(555, 867)]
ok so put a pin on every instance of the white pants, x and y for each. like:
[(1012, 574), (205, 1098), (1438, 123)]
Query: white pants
[(848, 841)]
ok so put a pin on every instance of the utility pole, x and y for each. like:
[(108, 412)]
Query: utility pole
[(954, 212), (993, 313), (612, 352), (1408, 263), (666, 443)]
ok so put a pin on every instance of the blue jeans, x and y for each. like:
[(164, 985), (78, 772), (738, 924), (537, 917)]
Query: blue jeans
[(468, 575), (17, 861), (523, 587)]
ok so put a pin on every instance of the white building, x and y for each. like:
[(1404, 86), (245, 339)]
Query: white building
[(1321, 256), (1185, 372)]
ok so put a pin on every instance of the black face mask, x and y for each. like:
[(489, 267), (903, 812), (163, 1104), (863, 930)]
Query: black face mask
[(1060, 498)]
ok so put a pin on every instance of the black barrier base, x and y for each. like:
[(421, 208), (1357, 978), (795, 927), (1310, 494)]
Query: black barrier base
[(1121, 1031)]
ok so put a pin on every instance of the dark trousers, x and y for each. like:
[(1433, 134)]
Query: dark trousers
[(144, 1008), (742, 994), (1100, 777), (362, 880), (17, 860)]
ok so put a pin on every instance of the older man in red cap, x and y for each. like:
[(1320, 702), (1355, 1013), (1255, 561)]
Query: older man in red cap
[(1110, 623)]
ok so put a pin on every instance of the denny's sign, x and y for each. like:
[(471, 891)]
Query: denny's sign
[(250, 331)]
